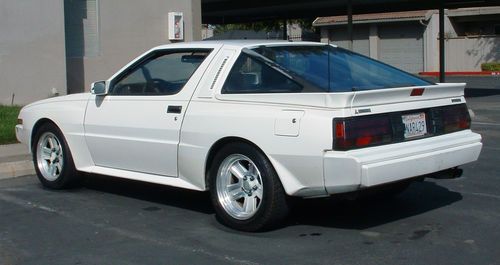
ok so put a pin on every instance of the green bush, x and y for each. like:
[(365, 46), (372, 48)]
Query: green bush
[(493, 66), (8, 121)]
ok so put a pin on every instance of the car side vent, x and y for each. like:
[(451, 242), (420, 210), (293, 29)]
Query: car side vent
[(218, 72)]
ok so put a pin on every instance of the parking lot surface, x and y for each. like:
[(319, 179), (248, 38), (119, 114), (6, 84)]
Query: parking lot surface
[(114, 221)]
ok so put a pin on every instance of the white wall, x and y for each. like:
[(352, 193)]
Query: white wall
[(127, 29), (32, 50), (467, 54)]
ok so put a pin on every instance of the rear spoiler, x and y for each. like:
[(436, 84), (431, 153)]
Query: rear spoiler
[(407, 94)]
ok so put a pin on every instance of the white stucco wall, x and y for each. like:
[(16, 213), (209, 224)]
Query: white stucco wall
[(127, 29), (32, 51), (467, 54), (431, 41)]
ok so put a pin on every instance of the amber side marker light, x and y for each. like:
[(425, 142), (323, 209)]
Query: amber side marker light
[(417, 92)]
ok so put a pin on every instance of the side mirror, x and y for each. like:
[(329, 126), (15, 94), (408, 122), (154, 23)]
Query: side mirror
[(98, 88)]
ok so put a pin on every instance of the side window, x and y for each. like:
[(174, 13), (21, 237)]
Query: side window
[(249, 75), (161, 73)]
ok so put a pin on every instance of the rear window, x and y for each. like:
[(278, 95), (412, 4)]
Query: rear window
[(313, 69)]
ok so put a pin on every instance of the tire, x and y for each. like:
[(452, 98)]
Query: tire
[(52, 159), (245, 190)]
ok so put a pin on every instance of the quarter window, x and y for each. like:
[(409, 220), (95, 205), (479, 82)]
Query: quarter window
[(160, 73)]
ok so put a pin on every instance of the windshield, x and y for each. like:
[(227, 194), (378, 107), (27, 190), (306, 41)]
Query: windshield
[(331, 69)]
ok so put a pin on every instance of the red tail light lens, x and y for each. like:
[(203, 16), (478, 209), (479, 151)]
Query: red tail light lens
[(378, 129), (456, 118), (351, 133)]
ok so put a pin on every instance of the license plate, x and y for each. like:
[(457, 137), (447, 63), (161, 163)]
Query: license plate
[(414, 125)]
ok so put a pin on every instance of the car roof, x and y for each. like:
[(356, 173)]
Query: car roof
[(236, 43)]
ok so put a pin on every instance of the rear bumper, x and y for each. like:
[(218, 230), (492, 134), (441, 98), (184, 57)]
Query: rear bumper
[(351, 170)]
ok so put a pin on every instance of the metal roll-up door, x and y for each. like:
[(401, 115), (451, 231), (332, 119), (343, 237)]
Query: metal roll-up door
[(360, 42), (402, 45)]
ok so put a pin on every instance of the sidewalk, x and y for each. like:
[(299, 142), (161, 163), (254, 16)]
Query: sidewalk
[(15, 161)]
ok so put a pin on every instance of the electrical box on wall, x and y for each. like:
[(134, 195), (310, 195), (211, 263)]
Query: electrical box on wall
[(175, 26)]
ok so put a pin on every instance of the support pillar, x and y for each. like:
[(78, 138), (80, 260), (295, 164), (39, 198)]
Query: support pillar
[(373, 41), (442, 69), (349, 24), (285, 29)]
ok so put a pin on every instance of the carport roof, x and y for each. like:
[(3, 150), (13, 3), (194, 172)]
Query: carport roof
[(237, 11)]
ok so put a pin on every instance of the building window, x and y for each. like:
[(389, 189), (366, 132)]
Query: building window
[(81, 21)]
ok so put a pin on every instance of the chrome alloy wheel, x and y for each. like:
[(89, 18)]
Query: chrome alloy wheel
[(49, 154), (239, 186)]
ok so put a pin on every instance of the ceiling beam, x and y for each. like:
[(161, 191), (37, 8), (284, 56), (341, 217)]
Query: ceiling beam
[(237, 11)]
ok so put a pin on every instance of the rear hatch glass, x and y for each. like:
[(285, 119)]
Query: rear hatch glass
[(332, 69)]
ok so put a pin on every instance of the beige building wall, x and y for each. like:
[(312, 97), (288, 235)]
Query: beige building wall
[(32, 50), (468, 53), (128, 28), (431, 41)]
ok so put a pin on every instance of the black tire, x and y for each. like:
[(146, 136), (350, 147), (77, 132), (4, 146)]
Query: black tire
[(68, 176), (274, 207)]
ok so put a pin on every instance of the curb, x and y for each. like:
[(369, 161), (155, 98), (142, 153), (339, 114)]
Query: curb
[(16, 169)]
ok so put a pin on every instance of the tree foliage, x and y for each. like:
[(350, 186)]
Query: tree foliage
[(267, 26)]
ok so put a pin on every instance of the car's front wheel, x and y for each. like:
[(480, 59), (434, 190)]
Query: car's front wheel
[(52, 158), (246, 192)]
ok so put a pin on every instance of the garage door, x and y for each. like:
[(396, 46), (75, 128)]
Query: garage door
[(402, 46), (360, 43)]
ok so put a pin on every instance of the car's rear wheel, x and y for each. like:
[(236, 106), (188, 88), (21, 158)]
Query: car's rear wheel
[(246, 192), (52, 159)]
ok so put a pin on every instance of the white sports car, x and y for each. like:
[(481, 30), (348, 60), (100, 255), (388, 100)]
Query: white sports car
[(253, 122)]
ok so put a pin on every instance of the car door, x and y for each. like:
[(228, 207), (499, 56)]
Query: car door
[(136, 126)]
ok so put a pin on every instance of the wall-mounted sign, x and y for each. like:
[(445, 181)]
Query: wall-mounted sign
[(175, 26)]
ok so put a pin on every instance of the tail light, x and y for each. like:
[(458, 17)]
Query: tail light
[(351, 133), (456, 118), (371, 130)]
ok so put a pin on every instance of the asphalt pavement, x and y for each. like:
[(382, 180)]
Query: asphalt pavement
[(115, 221)]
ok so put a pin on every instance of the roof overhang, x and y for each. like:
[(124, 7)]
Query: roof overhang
[(477, 11), (374, 18)]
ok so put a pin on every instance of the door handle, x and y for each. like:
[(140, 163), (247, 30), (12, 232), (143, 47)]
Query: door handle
[(174, 109)]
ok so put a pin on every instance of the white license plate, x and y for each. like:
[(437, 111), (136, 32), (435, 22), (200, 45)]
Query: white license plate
[(414, 125)]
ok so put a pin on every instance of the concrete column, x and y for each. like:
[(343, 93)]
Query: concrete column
[(196, 19), (325, 35), (431, 44), (374, 41)]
